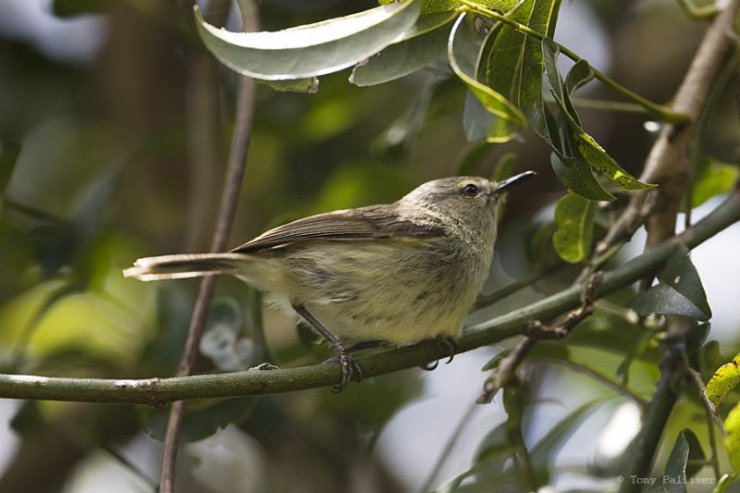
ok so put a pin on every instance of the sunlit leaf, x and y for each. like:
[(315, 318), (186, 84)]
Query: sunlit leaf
[(716, 178), (574, 219), (680, 291), (597, 157), (309, 50), (724, 380), (732, 442), (427, 44), (430, 6)]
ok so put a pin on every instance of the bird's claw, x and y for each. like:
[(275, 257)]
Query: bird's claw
[(349, 368)]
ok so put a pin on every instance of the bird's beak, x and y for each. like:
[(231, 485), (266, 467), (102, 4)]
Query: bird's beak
[(504, 185)]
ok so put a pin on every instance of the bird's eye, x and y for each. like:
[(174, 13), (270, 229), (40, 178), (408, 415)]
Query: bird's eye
[(470, 190)]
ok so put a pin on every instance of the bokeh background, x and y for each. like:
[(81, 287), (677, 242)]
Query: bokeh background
[(124, 120)]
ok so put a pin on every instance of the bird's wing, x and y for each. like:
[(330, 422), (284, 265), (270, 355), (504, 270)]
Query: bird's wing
[(352, 224)]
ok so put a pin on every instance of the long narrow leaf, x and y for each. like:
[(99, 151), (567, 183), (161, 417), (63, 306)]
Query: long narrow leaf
[(463, 47), (310, 50)]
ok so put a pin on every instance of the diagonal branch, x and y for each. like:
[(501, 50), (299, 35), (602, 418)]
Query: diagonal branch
[(157, 392)]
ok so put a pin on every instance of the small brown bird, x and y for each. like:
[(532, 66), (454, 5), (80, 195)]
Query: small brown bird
[(398, 273)]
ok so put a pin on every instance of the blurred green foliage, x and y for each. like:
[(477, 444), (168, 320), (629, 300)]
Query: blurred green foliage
[(120, 155)]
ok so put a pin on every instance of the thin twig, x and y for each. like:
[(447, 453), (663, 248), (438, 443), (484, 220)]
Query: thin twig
[(506, 370), (227, 210)]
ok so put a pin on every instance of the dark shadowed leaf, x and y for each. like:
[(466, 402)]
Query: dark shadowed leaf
[(309, 50), (576, 175), (68, 8), (697, 459), (9, 152), (680, 291), (675, 469), (202, 418), (574, 219)]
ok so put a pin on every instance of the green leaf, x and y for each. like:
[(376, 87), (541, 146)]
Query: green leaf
[(716, 178), (680, 291), (543, 20), (495, 445), (568, 127), (464, 44), (697, 459), (574, 219), (543, 454), (309, 50), (732, 442), (429, 6), (472, 158), (674, 480), (426, 43), (69, 8), (576, 175), (308, 85), (202, 418), (597, 157), (723, 381)]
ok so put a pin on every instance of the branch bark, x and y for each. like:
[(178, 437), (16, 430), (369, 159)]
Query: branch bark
[(157, 392), (227, 210), (668, 166)]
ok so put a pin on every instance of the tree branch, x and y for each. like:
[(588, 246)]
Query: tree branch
[(227, 210), (157, 392)]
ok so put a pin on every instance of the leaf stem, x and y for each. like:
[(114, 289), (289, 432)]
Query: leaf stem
[(660, 111)]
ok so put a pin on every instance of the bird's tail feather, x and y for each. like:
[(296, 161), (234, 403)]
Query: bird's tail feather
[(182, 266)]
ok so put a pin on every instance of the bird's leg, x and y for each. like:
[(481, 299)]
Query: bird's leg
[(451, 346), (347, 363)]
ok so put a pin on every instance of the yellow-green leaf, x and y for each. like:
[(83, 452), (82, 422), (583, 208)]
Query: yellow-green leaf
[(574, 219), (732, 442), (599, 159), (723, 381)]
